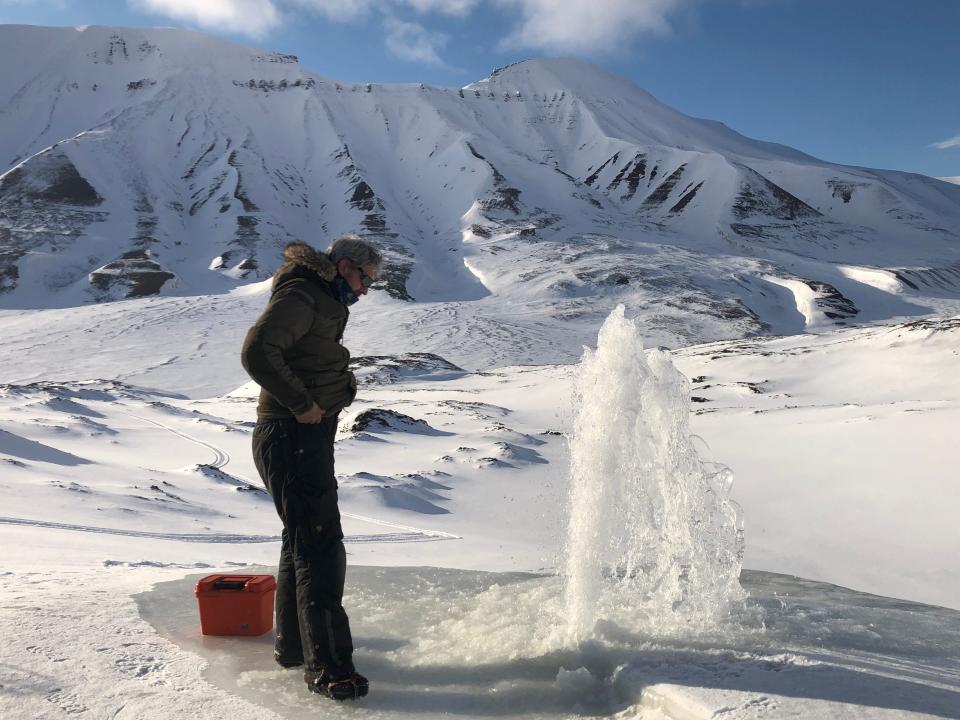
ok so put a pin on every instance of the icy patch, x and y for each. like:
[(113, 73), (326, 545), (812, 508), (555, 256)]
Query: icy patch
[(874, 277), (654, 542), (437, 643)]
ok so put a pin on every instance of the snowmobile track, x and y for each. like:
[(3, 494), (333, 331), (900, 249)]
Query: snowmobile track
[(398, 537), (221, 458)]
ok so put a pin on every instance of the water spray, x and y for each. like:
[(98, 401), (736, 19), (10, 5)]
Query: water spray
[(654, 543)]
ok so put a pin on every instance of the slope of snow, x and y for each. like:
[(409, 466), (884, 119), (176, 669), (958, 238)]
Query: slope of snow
[(829, 486), (842, 456)]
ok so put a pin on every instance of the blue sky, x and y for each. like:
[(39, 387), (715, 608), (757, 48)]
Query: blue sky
[(861, 82)]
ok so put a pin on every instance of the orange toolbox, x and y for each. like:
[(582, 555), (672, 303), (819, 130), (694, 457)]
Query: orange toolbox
[(236, 604)]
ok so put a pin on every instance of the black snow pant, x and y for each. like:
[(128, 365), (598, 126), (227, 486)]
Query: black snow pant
[(295, 461)]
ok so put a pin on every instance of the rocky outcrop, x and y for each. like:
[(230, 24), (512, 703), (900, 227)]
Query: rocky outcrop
[(134, 274)]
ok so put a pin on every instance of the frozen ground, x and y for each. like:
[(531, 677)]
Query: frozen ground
[(465, 643), (453, 485)]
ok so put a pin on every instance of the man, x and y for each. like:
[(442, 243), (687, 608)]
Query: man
[(294, 353)]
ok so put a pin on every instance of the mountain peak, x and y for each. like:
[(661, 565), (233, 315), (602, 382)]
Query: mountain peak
[(559, 73)]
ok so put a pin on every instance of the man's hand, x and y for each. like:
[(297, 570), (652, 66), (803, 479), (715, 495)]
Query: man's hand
[(311, 416)]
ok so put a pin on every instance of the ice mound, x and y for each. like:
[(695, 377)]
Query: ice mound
[(654, 541)]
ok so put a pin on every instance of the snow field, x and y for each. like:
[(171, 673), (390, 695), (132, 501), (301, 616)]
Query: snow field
[(447, 468)]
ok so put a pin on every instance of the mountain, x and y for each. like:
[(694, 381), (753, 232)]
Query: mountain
[(163, 161)]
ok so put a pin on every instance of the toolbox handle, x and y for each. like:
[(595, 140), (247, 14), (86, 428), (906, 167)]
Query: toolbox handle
[(224, 584)]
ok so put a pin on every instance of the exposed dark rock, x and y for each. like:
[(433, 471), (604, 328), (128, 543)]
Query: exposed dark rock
[(50, 178), (276, 57), (135, 272), (843, 189), (474, 152), (44, 203), (943, 280), (633, 179), (835, 306), (759, 196), (146, 224), (389, 369), (193, 168), (247, 235), (117, 47), (9, 274), (499, 70), (591, 179), (363, 197), (204, 193), (239, 191), (665, 188), (141, 84), (503, 199), (267, 86), (754, 231), (615, 183), (383, 420), (393, 279), (374, 222), (934, 325), (685, 200)]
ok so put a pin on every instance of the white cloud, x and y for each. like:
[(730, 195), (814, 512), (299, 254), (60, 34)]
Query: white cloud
[(413, 42), (591, 26), (947, 144), (457, 8), (251, 17), (338, 10), (350, 10), (563, 26)]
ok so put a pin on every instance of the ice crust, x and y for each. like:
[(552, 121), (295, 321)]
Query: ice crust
[(441, 643), (654, 541)]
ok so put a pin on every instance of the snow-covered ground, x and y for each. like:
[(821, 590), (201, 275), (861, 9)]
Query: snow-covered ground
[(120, 493)]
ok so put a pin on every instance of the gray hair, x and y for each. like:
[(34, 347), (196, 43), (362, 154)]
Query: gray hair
[(358, 251)]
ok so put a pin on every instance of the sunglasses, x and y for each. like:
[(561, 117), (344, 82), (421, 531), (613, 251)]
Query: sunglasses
[(365, 279)]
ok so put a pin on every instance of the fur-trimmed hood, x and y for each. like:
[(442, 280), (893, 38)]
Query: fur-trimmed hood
[(301, 255)]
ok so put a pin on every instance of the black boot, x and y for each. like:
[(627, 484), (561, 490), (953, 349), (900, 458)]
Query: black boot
[(346, 687)]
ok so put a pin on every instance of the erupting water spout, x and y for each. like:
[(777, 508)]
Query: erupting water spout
[(654, 541)]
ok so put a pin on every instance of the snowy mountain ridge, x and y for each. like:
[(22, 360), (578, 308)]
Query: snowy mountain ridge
[(144, 161)]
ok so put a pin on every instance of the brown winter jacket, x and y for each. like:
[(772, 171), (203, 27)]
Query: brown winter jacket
[(293, 351)]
